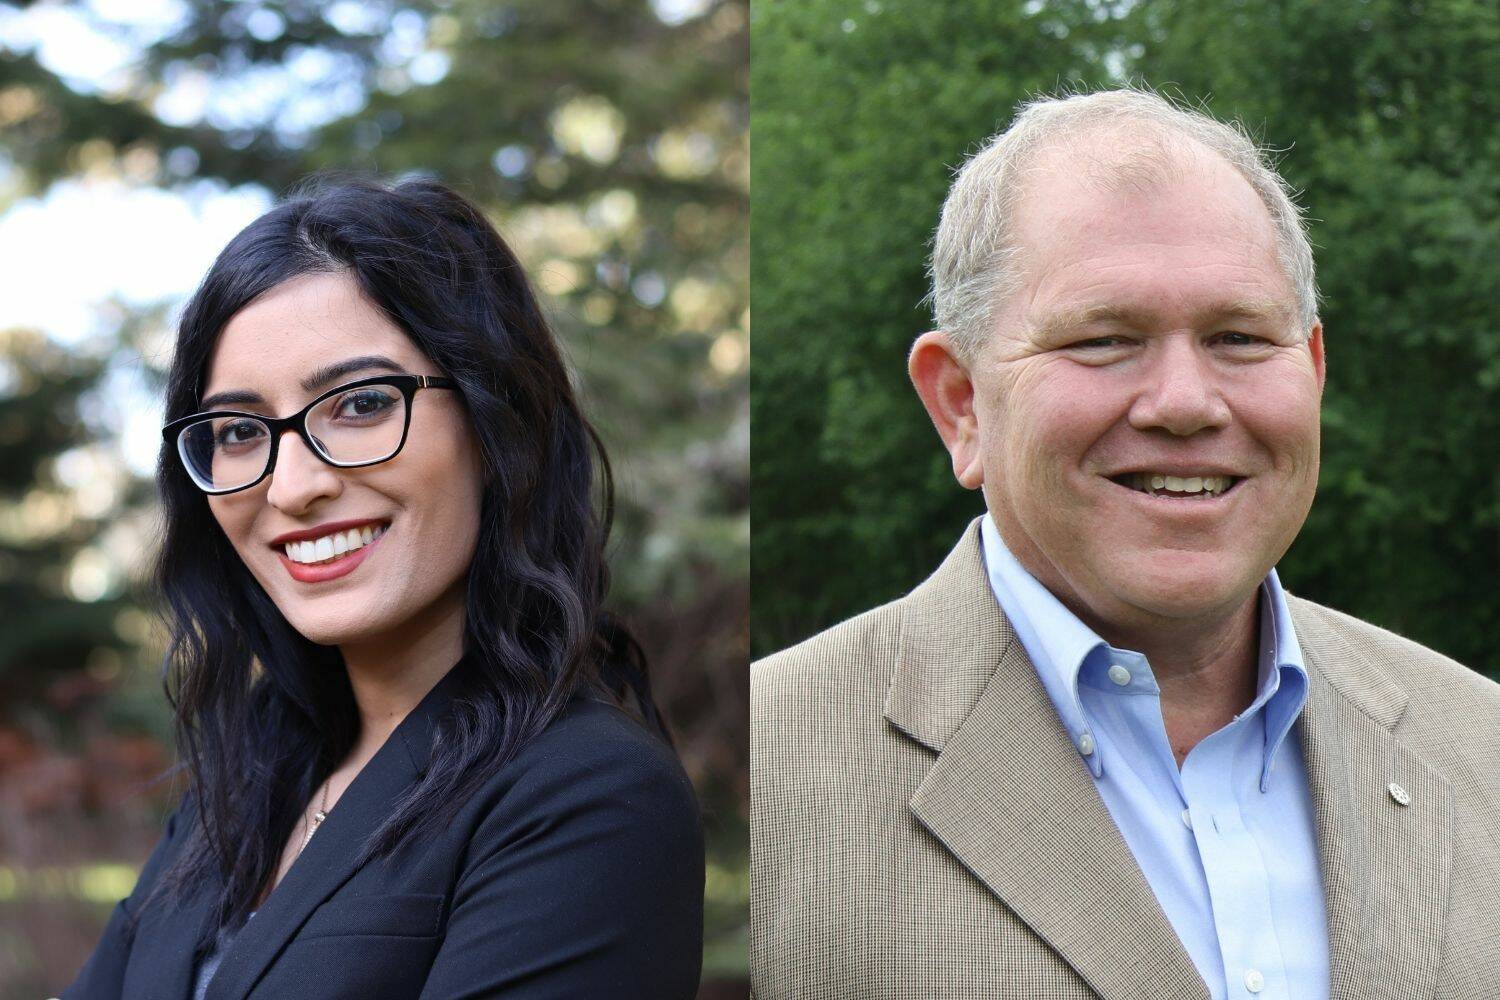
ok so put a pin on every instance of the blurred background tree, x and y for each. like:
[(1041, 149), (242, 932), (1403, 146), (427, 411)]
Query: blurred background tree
[(1385, 113), (609, 141)]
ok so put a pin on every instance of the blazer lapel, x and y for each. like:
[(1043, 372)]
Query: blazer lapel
[(1385, 865), (160, 949), (328, 860), (1010, 798)]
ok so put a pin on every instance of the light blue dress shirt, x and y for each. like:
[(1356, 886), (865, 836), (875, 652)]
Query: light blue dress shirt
[(1228, 842)]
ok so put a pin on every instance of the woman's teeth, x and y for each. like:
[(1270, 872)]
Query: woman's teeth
[(333, 546)]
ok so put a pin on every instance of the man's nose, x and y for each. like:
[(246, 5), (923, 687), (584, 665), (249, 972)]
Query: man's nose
[(300, 477), (1182, 393)]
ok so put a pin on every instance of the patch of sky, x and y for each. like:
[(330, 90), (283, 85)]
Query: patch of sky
[(649, 288), (160, 17), (68, 43), (265, 25), (129, 409), (313, 87), (92, 46), (78, 247), (74, 268), (429, 67), (182, 161), (405, 39), (353, 17), (678, 11), (511, 161)]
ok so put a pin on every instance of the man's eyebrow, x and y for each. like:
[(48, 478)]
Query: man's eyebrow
[(1255, 309), (1058, 324), (1066, 321), (317, 380)]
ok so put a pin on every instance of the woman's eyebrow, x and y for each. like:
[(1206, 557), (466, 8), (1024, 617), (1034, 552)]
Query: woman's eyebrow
[(337, 370), (317, 380)]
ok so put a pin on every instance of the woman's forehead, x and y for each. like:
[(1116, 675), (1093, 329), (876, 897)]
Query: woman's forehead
[(299, 327)]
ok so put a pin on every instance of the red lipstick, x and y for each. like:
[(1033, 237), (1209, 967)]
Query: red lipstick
[(332, 569)]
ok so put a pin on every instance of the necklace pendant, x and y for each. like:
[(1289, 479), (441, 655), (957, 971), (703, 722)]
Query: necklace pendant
[(319, 817)]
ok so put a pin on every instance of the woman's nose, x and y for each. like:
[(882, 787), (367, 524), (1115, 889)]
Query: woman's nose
[(300, 478)]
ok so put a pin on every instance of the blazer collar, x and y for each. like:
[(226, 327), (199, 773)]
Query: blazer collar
[(1350, 674), (328, 860), (952, 639), (1011, 799)]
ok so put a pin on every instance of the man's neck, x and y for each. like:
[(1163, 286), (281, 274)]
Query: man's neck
[(1207, 672)]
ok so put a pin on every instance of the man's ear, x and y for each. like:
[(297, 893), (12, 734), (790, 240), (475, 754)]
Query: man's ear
[(942, 381), (1315, 344)]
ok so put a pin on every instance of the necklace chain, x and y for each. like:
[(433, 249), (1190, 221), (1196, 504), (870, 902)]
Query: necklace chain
[(318, 817)]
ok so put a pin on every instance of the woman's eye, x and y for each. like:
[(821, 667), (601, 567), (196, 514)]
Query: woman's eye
[(365, 403), (238, 432)]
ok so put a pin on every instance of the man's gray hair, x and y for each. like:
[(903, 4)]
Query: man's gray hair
[(975, 261)]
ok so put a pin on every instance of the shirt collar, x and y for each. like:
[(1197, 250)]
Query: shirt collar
[(1060, 644)]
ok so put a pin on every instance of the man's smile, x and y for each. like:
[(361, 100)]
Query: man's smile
[(1200, 486)]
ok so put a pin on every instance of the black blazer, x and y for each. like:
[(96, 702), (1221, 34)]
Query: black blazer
[(576, 872)]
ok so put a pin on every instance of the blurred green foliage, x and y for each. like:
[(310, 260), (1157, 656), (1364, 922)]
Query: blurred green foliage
[(1385, 112)]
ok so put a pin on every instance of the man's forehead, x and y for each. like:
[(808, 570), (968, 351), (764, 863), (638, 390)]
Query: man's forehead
[(1104, 175), (1175, 235), (1121, 156)]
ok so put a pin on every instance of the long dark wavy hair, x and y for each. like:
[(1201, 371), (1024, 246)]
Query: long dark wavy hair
[(263, 715)]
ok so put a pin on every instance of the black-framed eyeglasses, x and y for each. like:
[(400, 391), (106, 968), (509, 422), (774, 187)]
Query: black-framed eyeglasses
[(359, 423)]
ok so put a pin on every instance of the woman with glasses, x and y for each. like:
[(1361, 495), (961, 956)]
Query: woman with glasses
[(421, 760)]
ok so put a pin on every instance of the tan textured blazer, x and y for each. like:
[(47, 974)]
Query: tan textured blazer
[(922, 827)]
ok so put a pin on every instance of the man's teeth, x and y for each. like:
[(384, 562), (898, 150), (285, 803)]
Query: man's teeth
[(1154, 482), (332, 546)]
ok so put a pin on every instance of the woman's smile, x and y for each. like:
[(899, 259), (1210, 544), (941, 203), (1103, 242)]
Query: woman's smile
[(329, 551)]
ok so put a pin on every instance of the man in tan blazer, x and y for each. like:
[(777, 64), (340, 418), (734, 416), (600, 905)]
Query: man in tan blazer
[(1100, 752)]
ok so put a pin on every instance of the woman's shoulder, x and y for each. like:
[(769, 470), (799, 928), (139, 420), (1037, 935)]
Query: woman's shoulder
[(585, 859), (595, 749), (588, 727)]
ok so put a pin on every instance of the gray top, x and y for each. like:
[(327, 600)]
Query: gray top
[(210, 963)]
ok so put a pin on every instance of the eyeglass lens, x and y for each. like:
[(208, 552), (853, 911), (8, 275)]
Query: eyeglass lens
[(357, 427)]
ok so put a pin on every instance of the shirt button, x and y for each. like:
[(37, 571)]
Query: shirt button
[(1254, 981), (1086, 743), (1119, 675), (1187, 819)]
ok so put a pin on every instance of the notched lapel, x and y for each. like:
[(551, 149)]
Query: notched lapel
[(1010, 798), (1386, 866), (328, 860)]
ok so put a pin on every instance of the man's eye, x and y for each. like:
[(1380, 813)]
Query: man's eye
[(1234, 338), (1097, 343)]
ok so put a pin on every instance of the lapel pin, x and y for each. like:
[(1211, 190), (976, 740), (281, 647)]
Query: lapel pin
[(1399, 794)]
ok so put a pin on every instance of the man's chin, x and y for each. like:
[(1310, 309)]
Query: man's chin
[(1187, 592)]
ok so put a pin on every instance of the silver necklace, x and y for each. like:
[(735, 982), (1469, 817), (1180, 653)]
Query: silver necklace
[(318, 817)]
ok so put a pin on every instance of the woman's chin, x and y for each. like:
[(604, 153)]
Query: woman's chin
[(325, 632)]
